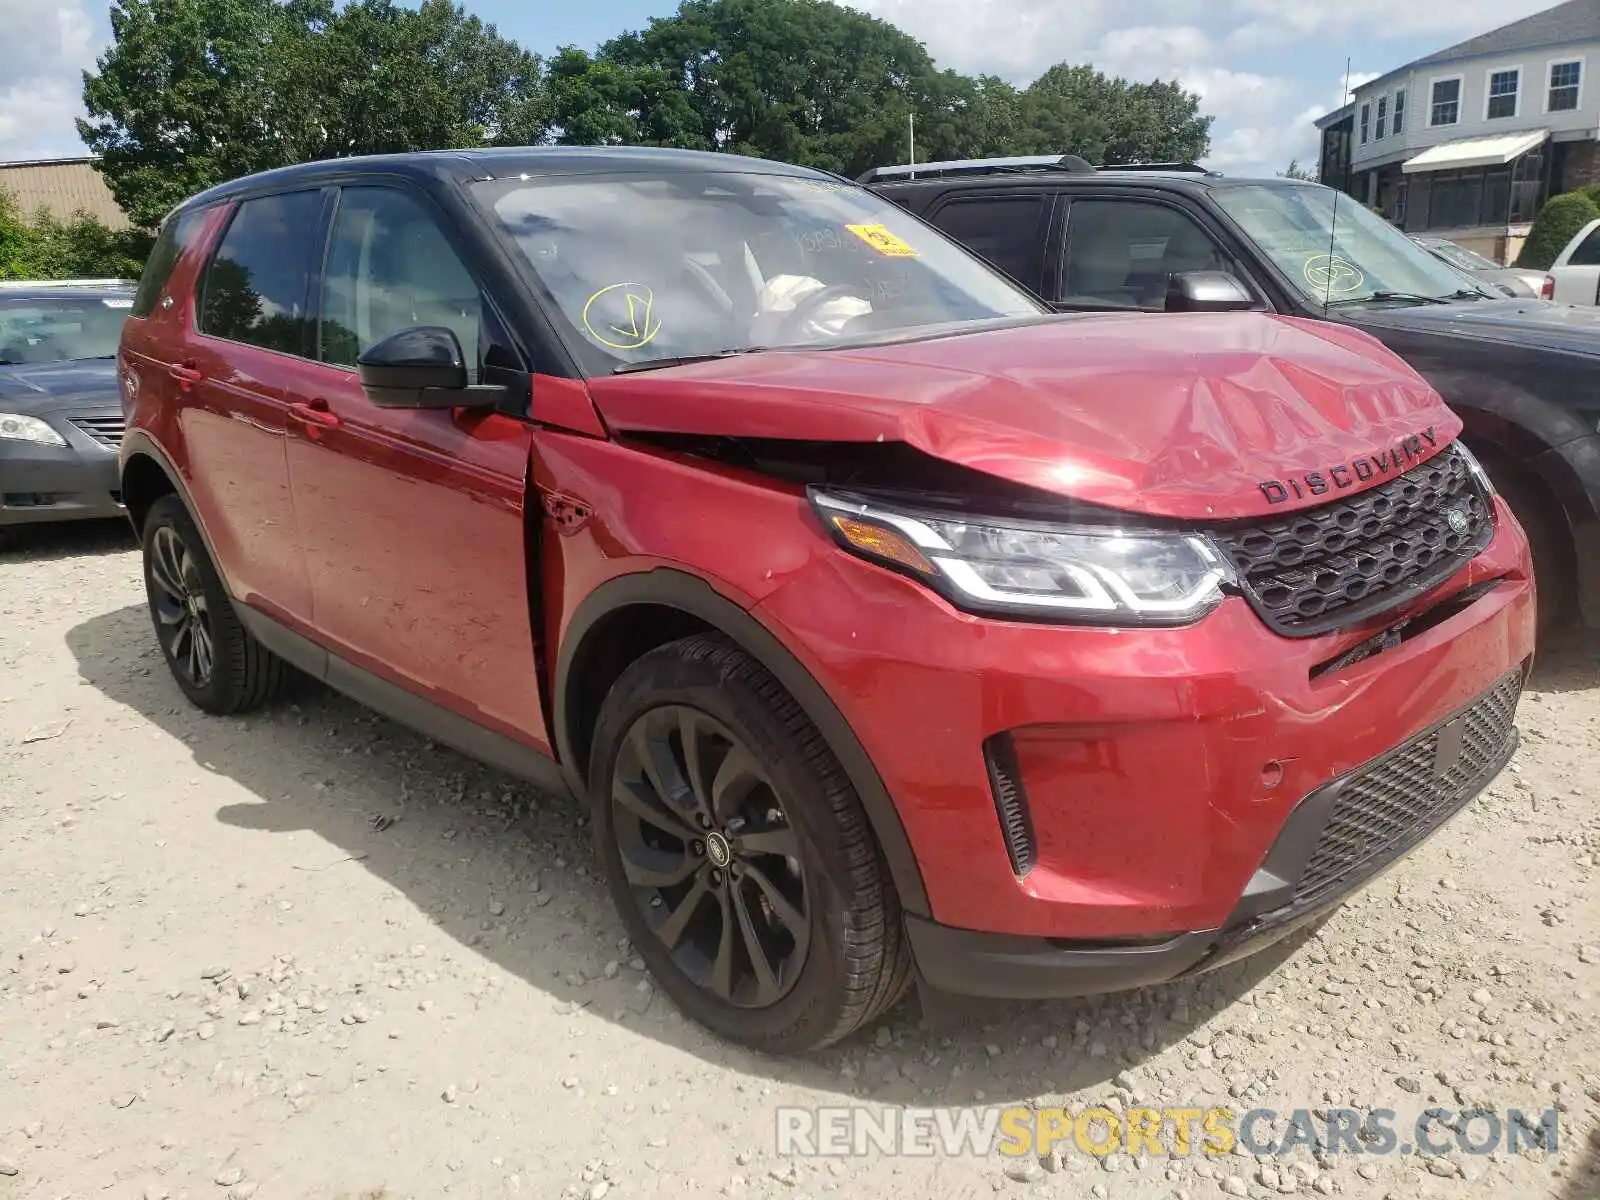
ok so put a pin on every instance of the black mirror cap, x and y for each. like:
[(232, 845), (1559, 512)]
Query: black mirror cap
[(420, 367), (1207, 291)]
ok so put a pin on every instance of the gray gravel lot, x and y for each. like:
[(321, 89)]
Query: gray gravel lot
[(220, 979)]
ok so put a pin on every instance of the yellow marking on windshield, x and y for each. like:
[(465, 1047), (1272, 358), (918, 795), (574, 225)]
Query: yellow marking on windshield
[(635, 325), (1333, 274), (884, 242)]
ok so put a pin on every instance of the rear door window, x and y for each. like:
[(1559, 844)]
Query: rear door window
[(1006, 230), (1587, 253), (258, 284)]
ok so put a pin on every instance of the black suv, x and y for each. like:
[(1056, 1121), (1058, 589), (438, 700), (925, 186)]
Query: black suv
[(1523, 374)]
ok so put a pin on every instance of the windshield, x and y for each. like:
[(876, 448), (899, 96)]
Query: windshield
[(60, 328), (1460, 256), (643, 268), (1365, 259)]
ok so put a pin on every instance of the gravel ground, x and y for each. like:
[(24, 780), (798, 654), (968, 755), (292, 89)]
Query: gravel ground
[(221, 980)]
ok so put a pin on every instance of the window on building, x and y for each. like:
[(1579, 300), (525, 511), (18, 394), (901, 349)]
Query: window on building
[(1366, 122), (1503, 93), (1446, 102), (1399, 112), (1455, 201), (1566, 78)]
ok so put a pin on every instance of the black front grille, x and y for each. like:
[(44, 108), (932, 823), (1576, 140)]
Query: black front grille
[(105, 430), (1335, 566), (1383, 811)]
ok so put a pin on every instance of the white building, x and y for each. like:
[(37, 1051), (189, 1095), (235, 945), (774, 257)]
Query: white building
[(1470, 141)]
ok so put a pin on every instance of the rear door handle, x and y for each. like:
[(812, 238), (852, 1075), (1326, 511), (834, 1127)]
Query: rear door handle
[(315, 412), (186, 374)]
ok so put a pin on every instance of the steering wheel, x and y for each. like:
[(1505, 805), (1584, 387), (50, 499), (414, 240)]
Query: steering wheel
[(708, 284), (807, 306)]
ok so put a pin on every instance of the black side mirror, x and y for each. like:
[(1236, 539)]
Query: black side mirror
[(1207, 291), (421, 367)]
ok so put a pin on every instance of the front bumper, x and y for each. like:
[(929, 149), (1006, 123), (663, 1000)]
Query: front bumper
[(77, 481), (1338, 839), (1157, 769)]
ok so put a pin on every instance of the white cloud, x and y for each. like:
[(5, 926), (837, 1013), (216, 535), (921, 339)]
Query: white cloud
[(1271, 21), (40, 90)]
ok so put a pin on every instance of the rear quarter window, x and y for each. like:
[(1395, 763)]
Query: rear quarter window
[(176, 237)]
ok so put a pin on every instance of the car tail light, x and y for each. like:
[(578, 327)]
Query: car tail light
[(1547, 289)]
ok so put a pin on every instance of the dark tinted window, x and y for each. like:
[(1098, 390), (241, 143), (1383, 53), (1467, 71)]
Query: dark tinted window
[(390, 268), (177, 235), (1005, 230), (1587, 253), (1122, 253), (257, 284)]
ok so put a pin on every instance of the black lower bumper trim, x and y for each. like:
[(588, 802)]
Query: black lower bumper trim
[(968, 962)]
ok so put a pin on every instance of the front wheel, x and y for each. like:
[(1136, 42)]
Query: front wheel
[(215, 660), (738, 853)]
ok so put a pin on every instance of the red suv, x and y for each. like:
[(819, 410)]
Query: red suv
[(891, 625)]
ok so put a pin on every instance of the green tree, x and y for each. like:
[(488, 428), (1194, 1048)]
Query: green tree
[(195, 92), (799, 80), (1110, 120), (1557, 224), (43, 247), (1295, 171)]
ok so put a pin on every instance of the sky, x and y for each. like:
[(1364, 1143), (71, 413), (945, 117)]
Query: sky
[(1264, 68)]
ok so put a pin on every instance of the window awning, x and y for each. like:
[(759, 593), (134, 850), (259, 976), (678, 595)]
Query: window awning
[(1476, 152)]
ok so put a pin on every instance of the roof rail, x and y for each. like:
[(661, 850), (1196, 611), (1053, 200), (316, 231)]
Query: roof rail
[(1186, 167), (36, 285), (979, 166)]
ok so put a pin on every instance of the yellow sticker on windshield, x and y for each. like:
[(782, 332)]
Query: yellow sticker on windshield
[(632, 322), (884, 242)]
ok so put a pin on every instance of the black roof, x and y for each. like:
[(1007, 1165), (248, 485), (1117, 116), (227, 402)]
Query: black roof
[(501, 162), (1574, 21)]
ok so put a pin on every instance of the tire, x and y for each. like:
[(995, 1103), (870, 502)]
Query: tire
[(216, 662), (1542, 520), (798, 808)]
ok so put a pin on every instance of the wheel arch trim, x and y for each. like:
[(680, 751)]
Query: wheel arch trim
[(139, 444), (669, 588)]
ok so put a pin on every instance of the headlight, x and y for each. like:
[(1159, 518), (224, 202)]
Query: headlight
[(28, 429), (1476, 468), (1080, 573)]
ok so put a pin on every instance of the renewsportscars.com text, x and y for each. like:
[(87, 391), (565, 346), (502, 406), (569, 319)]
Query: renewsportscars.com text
[(1017, 1131)]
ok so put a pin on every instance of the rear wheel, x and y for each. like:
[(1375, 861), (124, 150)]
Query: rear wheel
[(739, 854), (219, 666)]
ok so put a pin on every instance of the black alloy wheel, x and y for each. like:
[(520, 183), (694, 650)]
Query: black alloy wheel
[(178, 602), (214, 659), (710, 856)]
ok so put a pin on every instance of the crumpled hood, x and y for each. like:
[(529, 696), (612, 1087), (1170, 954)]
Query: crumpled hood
[(1168, 415), (82, 387), (1536, 324)]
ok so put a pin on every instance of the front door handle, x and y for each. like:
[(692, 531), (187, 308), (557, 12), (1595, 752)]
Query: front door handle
[(315, 412), (186, 374)]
